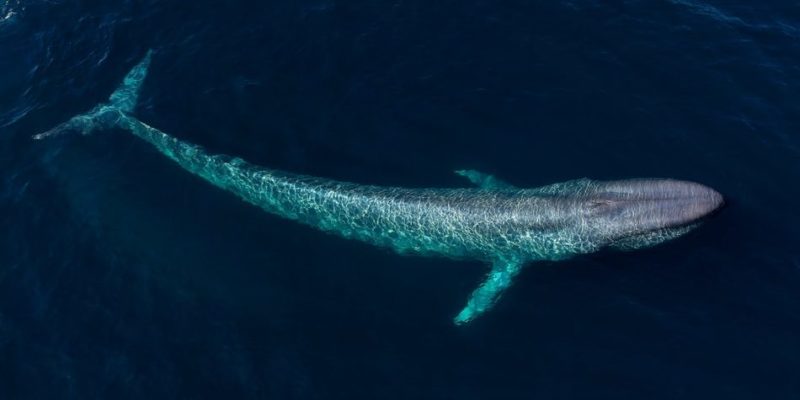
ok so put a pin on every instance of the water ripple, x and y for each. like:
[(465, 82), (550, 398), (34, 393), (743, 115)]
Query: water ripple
[(726, 17)]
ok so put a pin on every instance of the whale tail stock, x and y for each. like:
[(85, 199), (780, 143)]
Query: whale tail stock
[(120, 104)]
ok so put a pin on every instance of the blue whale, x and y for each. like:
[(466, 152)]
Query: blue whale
[(505, 226)]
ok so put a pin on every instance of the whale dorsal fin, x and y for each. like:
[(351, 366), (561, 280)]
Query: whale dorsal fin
[(487, 294), (483, 180)]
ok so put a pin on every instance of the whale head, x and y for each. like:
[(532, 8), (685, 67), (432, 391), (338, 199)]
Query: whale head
[(637, 213)]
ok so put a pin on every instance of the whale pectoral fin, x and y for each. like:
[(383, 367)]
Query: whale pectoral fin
[(482, 180), (487, 294)]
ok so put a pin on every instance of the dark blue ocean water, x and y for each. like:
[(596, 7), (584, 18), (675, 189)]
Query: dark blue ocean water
[(122, 276)]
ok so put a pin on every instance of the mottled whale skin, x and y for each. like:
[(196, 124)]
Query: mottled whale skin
[(494, 222)]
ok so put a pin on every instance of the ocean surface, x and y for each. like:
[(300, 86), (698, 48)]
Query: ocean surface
[(124, 277)]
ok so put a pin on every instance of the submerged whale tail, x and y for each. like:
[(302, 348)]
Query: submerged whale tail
[(105, 115)]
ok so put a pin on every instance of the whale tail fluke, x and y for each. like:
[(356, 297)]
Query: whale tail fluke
[(127, 94), (120, 103)]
